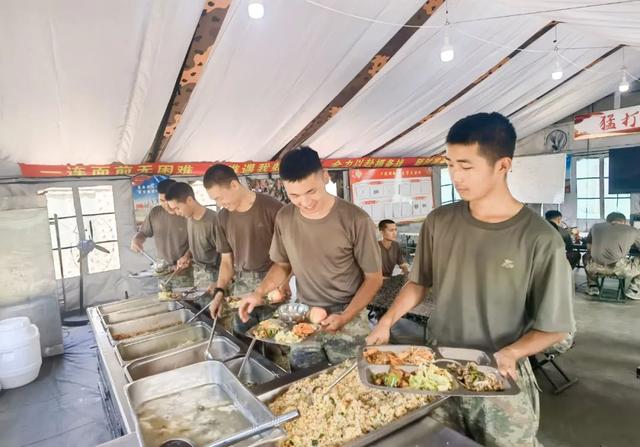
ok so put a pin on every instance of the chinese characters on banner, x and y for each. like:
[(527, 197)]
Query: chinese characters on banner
[(607, 124), (198, 169), (403, 195)]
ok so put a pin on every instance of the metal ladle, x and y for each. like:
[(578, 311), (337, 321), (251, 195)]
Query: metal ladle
[(207, 354), (233, 439), (197, 314), (246, 357)]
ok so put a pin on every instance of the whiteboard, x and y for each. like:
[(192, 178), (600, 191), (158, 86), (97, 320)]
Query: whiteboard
[(538, 179)]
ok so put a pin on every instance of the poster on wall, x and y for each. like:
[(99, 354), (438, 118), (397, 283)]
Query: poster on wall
[(145, 195), (567, 176), (401, 194)]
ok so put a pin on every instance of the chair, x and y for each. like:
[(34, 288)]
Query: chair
[(610, 294), (548, 357)]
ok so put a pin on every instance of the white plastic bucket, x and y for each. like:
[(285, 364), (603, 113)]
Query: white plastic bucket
[(20, 357)]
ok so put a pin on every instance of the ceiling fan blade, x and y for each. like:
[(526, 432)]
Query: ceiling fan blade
[(102, 249), (91, 229)]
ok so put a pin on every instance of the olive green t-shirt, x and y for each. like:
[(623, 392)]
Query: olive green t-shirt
[(492, 282), (328, 256), (169, 233), (391, 257), (202, 238), (248, 234), (611, 242)]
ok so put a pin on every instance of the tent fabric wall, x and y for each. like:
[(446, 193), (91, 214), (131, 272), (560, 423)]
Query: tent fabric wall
[(88, 82), (110, 285)]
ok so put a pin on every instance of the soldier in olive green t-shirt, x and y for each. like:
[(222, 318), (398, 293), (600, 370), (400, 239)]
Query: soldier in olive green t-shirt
[(330, 246), (499, 277)]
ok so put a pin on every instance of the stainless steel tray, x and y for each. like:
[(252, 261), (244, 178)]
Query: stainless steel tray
[(182, 336), (203, 373), (486, 363), (310, 339), (147, 326), (253, 373), (373, 436), (139, 312), (130, 303), (221, 348)]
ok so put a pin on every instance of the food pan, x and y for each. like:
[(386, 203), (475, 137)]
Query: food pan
[(139, 312), (221, 385), (130, 303), (221, 348), (146, 326), (182, 336)]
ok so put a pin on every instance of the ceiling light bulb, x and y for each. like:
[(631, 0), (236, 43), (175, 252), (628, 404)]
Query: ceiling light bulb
[(557, 71), (256, 9), (624, 83), (446, 53)]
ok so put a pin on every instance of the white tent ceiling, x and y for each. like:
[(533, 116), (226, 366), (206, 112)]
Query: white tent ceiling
[(82, 82)]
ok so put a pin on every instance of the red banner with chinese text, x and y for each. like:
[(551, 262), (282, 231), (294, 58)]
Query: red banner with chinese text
[(199, 168), (609, 123)]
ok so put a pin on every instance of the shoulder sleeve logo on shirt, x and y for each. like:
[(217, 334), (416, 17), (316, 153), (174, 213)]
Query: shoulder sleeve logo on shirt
[(508, 264)]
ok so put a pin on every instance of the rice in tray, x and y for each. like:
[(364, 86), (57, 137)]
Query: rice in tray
[(349, 411)]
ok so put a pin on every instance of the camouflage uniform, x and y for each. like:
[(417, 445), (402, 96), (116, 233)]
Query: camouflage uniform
[(332, 347), (182, 279), (508, 421), (247, 282), (627, 268), (203, 277)]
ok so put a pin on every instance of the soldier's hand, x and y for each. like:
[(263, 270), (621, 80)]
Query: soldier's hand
[(215, 308), (136, 245), (247, 304), (183, 263), (506, 359), (379, 335), (333, 323)]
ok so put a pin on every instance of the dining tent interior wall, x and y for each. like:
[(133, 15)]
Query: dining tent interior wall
[(91, 83)]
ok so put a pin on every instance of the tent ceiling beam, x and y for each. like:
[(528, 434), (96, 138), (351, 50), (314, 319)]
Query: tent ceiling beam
[(198, 54), (471, 86), (364, 75)]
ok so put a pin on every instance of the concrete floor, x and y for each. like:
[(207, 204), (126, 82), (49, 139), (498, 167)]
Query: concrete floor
[(603, 408)]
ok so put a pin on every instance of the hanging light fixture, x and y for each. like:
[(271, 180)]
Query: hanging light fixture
[(446, 53), (556, 74), (256, 9), (623, 87)]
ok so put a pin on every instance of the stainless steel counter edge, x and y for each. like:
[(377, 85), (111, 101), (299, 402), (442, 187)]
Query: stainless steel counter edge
[(112, 369)]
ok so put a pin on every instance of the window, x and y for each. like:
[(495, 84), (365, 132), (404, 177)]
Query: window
[(87, 210), (448, 193), (202, 196), (592, 188)]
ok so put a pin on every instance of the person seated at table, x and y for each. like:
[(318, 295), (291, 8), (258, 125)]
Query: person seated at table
[(608, 247), (554, 217), (390, 250)]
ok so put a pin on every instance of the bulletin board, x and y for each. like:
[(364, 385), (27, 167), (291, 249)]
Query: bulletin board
[(400, 194)]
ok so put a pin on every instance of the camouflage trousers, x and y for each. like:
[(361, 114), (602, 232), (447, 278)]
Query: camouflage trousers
[(509, 421), (627, 268), (182, 279), (203, 277), (332, 347), (243, 283)]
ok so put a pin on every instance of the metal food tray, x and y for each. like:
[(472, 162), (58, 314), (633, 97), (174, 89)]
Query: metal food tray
[(147, 326), (139, 312), (126, 304), (253, 373), (181, 337), (375, 435), (203, 373), (221, 349), (288, 326), (486, 363)]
